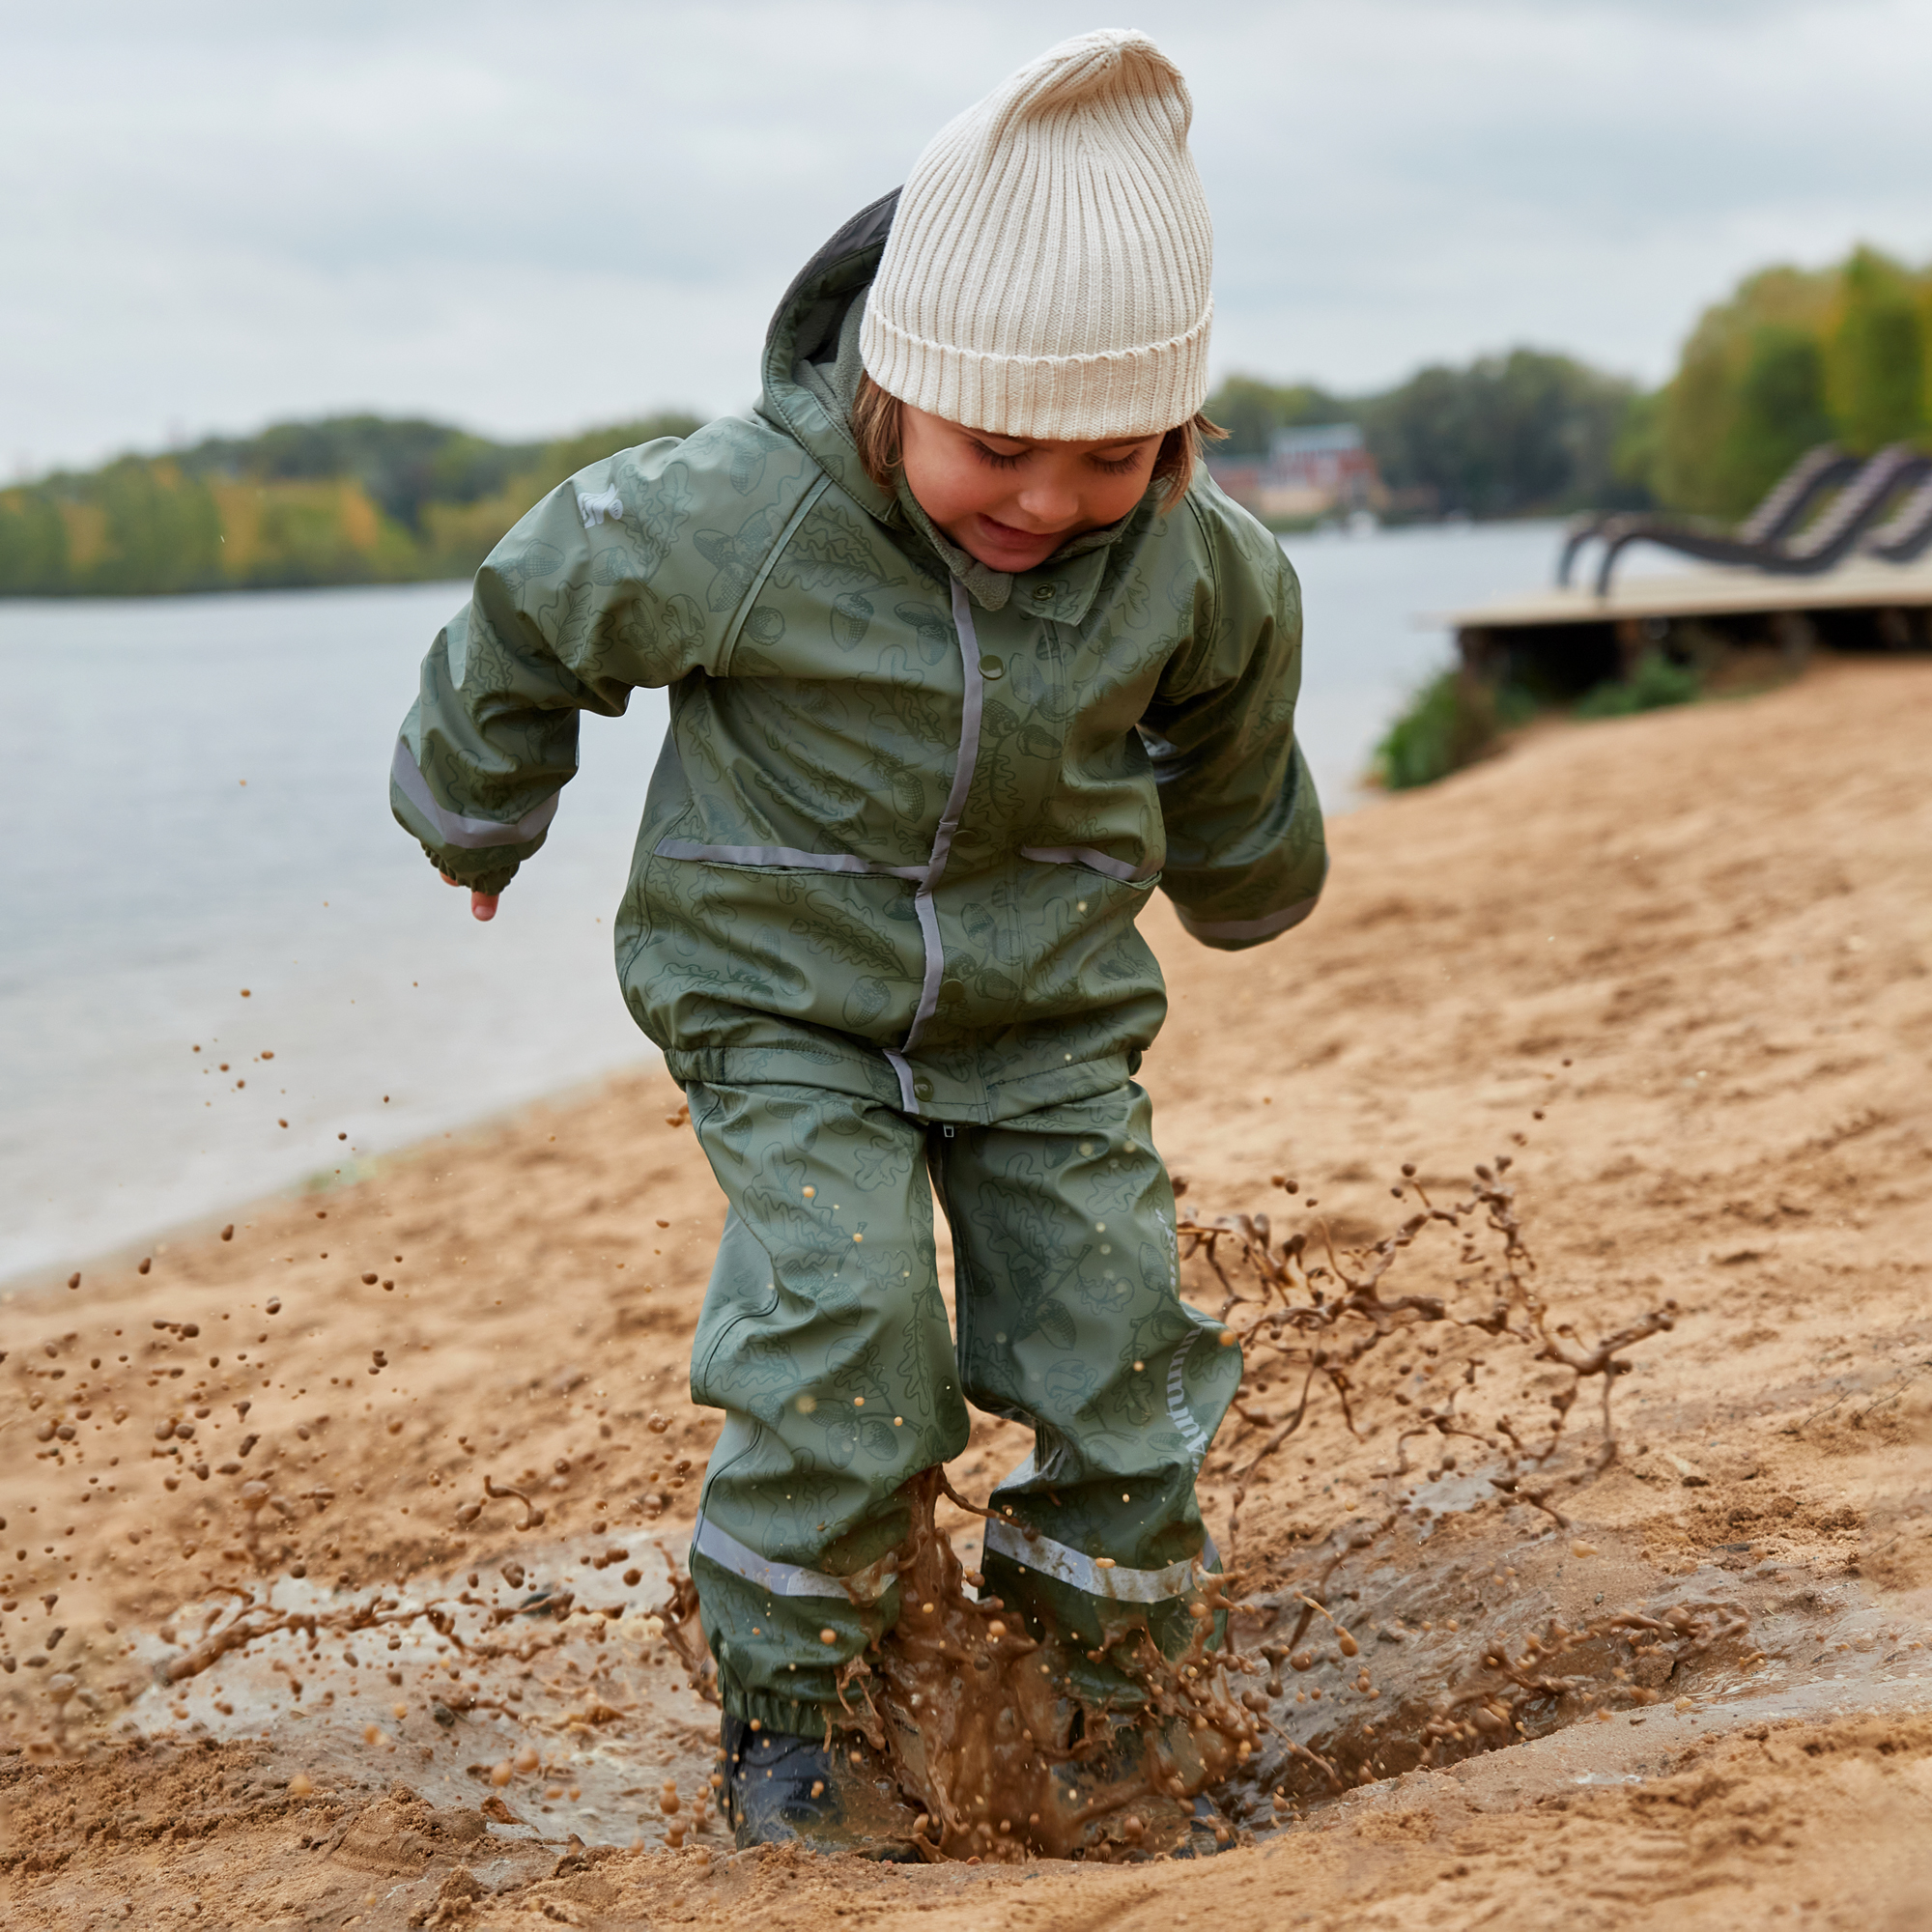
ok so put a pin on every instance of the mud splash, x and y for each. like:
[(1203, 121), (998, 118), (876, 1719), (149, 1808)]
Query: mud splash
[(972, 1720)]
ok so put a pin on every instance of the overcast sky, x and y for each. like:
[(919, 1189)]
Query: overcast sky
[(538, 216)]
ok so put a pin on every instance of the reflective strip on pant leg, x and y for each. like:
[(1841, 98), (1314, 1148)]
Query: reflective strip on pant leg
[(1080, 1572), (786, 1580), (1178, 1413), (472, 835)]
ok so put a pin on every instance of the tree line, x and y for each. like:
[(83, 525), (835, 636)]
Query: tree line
[(1792, 357), (352, 500)]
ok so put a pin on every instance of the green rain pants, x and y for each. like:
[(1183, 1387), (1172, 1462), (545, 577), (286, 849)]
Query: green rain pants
[(825, 1341)]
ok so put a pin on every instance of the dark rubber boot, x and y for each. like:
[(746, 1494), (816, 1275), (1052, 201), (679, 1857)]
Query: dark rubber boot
[(1134, 1814), (787, 1790)]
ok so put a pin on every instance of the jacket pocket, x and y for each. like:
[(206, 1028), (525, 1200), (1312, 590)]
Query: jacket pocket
[(1093, 861), (778, 859)]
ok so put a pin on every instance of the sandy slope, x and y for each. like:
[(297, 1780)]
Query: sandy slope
[(1680, 968)]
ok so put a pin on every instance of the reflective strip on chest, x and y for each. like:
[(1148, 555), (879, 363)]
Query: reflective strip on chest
[(971, 706)]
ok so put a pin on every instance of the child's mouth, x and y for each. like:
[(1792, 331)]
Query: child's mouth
[(1006, 537)]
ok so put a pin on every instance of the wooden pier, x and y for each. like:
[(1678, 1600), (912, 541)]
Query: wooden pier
[(1564, 640)]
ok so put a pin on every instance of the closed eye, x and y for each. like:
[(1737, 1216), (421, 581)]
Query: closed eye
[(995, 460), (1118, 465)]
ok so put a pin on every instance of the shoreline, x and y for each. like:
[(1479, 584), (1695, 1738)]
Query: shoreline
[(48, 1278)]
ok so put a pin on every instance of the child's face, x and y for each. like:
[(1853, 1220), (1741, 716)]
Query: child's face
[(1010, 503)]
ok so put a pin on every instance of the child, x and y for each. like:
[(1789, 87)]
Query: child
[(965, 657)]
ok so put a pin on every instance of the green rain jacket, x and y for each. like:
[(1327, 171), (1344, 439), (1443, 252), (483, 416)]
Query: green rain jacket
[(902, 824)]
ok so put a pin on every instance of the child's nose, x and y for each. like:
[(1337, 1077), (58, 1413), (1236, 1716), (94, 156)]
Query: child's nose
[(1050, 504)]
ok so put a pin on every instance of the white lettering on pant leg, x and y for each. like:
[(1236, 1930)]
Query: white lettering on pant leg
[(1182, 1416)]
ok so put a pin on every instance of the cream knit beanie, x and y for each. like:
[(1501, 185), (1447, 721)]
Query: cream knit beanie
[(1047, 272)]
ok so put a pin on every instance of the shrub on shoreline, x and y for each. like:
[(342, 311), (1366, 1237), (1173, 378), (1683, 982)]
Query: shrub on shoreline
[(1457, 718)]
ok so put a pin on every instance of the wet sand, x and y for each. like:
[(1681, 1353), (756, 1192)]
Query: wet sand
[(1678, 969)]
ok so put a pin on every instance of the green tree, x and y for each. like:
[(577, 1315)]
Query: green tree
[(1710, 450), (1778, 413), (1876, 356), (33, 544), (1508, 436), (163, 530), (402, 463), (1252, 411), (569, 454), (1794, 357)]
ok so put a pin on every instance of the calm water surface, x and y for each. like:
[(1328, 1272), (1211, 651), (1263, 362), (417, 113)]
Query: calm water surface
[(144, 884)]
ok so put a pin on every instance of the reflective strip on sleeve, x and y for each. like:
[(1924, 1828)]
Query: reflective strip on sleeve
[(1085, 854), (788, 1580), (452, 828), (1246, 928), (1080, 1572), (780, 855)]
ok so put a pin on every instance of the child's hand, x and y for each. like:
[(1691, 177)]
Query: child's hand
[(482, 905)]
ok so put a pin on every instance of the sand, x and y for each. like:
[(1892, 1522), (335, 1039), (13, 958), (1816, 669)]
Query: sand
[(1677, 968)]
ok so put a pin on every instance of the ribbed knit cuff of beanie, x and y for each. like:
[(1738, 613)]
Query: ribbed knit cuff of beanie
[(1048, 271)]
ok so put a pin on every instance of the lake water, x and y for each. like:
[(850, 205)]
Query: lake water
[(144, 884)]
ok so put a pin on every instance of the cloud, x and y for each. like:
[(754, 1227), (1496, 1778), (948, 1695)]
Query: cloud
[(534, 217)]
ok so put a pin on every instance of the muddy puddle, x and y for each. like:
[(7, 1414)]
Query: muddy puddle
[(540, 1682)]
